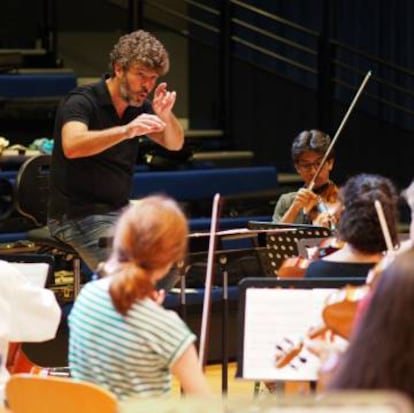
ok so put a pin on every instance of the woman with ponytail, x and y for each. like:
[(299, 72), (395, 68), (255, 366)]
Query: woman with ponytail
[(120, 336)]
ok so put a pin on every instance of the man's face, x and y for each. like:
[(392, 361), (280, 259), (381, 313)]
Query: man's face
[(136, 83), (308, 164)]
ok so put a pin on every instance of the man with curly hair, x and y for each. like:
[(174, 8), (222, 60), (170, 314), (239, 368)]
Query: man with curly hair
[(96, 145)]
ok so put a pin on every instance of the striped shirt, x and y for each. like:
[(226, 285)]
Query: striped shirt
[(129, 355)]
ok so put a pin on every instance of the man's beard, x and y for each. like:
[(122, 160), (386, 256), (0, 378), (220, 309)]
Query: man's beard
[(126, 95)]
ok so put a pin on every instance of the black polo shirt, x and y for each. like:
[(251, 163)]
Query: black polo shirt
[(95, 184)]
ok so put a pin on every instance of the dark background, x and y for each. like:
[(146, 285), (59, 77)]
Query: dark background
[(259, 101)]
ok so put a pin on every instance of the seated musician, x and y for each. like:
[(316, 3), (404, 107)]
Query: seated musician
[(380, 354), (374, 274), (28, 314), (120, 336), (301, 207), (359, 228)]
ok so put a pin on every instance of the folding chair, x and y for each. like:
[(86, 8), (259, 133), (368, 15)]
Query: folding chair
[(26, 393), (31, 200)]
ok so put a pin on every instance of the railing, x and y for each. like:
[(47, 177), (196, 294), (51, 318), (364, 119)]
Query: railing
[(314, 59)]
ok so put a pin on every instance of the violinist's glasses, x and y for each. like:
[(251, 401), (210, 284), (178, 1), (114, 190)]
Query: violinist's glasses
[(308, 166)]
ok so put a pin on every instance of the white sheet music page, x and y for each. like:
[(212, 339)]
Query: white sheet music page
[(277, 320)]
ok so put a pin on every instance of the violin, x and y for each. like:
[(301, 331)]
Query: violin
[(327, 209), (295, 267), (340, 308), (328, 246)]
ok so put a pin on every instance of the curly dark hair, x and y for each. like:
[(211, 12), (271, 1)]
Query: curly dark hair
[(359, 224), (380, 355), (140, 47), (310, 140)]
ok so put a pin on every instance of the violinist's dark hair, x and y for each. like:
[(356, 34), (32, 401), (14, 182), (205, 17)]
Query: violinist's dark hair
[(359, 224), (310, 140), (380, 355), (149, 236)]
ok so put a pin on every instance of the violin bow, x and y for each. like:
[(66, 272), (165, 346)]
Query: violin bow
[(374, 274), (384, 225), (339, 130), (215, 212)]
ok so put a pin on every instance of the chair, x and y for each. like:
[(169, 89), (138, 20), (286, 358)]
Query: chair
[(31, 200), (26, 393)]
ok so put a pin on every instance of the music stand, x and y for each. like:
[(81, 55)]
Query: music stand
[(282, 245), (307, 244), (222, 257), (268, 291)]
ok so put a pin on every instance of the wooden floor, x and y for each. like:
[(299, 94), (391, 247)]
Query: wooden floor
[(239, 387)]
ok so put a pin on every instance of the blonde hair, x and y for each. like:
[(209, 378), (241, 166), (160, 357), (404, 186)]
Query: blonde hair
[(149, 236)]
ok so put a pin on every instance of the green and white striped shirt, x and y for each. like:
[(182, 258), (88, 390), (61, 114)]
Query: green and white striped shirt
[(129, 355)]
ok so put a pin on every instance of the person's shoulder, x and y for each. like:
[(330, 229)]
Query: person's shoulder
[(159, 313), (88, 91), (318, 268), (288, 196), (100, 284), (94, 289), (285, 200)]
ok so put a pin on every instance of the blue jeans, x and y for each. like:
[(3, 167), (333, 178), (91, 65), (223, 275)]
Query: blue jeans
[(83, 235)]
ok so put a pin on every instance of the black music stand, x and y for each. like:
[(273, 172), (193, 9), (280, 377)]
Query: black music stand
[(282, 245), (222, 261), (222, 258)]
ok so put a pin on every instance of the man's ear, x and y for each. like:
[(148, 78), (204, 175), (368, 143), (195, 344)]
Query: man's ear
[(331, 164), (118, 70)]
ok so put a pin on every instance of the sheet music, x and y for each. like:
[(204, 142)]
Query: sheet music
[(276, 318)]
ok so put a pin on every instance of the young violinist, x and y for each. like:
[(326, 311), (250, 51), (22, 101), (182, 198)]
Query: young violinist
[(359, 228), (376, 272), (380, 355), (305, 206), (120, 336)]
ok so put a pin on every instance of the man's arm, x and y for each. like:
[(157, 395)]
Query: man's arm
[(172, 137), (286, 212), (78, 141)]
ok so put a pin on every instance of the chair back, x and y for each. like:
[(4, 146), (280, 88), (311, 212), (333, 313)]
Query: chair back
[(32, 189), (26, 393)]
